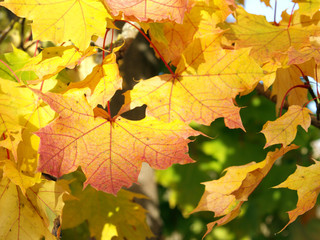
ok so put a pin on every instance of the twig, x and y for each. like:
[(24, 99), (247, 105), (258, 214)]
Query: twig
[(5, 32)]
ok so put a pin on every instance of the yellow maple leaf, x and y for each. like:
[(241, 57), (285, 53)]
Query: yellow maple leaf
[(30, 216), (53, 59), (11, 171), (15, 102), (289, 77), (284, 129), (308, 7), (21, 113), (306, 181), (225, 196), (61, 21), (117, 216), (206, 81), (265, 38), (103, 81)]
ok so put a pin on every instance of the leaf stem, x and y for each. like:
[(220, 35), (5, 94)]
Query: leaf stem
[(275, 12), (109, 109), (14, 74), (290, 19), (283, 99), (112, 33), (154, 47), (8, 153), (104, 42)]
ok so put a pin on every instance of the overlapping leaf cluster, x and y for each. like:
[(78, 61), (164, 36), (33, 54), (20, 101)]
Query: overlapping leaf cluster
[(70, 126)]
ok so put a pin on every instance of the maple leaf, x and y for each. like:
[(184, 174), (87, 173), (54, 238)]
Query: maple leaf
[(225, 196), (201, 20), (308, 7), (254, 31), (77, 138), (127, 218), (61, 21), (103, 81), (54, 59), (22, 180), (286, 78), (14, 104), (29, 216), (306, 181), (15, 60), (206, 80), (148, 10), (266, 2), (21, 109), (299, 56), (284, 129)]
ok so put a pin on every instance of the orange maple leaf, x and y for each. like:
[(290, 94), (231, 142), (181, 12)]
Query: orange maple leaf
[(206, 81), (306, 181), (149, 10), (225, 196), (110, 152), (284, 129), (201, 20)]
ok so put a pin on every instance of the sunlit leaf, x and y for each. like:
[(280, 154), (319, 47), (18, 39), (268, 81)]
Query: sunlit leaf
[(29, 216), (225, 196), (205, 83), (103, 81), (61, 21), (146, 10), (116, 216), (284, 129), (110, 152), (306, 181)]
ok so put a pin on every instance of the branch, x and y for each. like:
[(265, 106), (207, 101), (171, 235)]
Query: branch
[(5, 32), (267, 94)]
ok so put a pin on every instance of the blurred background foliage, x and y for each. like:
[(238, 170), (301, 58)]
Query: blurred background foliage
[(264, 215), (179, 187)]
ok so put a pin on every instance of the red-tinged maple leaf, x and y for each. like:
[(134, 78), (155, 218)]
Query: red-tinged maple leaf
[(110, 152), (206, 81), (28, 216), (61, 21), (306, 181), (225, 196), (149, 10), (284, 129), (265, 38), (201, 20)]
